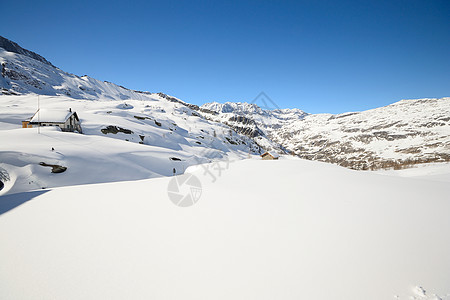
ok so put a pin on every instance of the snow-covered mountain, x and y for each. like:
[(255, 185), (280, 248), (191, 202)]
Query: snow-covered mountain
[(395, 136), (154, 134), (23, 71), (404, 133), (252, 120)]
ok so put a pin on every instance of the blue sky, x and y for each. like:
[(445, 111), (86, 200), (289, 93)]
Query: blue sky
[(319, 56)]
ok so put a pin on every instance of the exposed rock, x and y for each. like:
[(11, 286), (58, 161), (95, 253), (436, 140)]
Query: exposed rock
[(55, 168), (114, 130), (142, 118), (175, 158)]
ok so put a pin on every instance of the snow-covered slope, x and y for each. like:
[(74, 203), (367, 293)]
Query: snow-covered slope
[(286, 229), (141, 138), (399, 135), (432, 171), (22, 72), (10, 46)]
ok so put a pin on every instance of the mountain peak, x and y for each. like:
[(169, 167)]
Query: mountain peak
[(11, 46), (244, 108), (233, 107)]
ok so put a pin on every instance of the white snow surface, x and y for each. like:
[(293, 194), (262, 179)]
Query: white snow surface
[(436, 172), (158, 131), (286, 229)]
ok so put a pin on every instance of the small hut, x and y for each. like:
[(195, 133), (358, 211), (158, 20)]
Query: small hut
[(270, 155), (67, 120)]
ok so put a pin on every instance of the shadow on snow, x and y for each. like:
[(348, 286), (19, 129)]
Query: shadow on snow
[(9, 202)]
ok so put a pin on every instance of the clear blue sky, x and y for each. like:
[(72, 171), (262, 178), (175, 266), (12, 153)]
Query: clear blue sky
[(319, 56)]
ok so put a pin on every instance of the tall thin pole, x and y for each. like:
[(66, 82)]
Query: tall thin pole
[(39, 117)]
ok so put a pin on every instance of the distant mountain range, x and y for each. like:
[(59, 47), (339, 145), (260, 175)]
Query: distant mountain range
[(395, 136)]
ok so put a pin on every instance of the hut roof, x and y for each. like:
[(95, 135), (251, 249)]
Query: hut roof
[(51, 116), (271, 153)]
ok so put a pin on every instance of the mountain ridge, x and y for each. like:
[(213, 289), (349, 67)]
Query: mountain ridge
[(11, 46)]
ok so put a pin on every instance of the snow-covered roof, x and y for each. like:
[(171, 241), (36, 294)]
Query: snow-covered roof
[(51, 116), (271, 153)]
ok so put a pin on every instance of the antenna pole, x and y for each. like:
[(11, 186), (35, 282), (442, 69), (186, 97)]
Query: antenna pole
[(39, 117)]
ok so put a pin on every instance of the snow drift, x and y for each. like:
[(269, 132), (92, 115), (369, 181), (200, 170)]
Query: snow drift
[(286, 229)]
